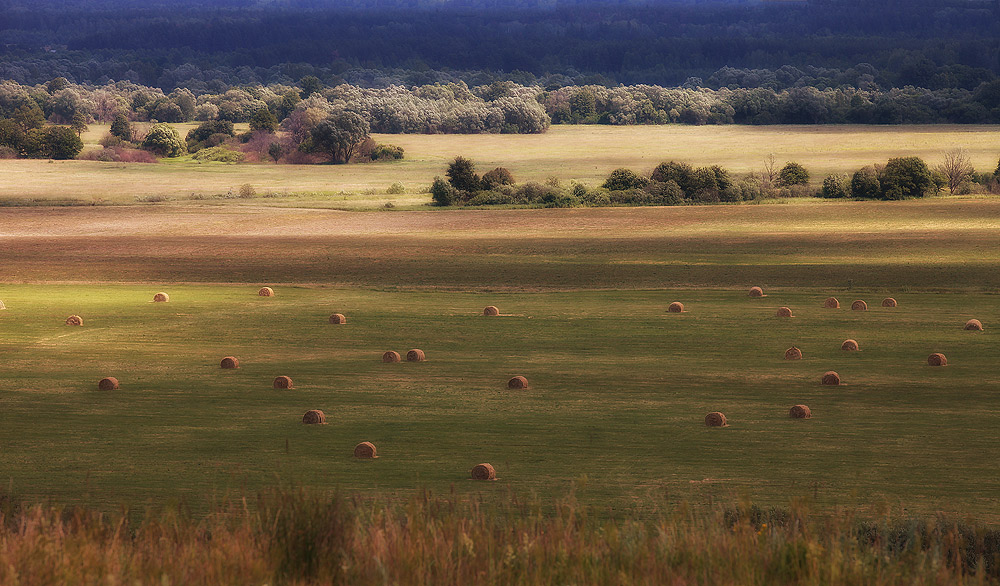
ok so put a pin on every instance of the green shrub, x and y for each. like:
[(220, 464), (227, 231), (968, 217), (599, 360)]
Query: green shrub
[(247, 191), (164, 141), (218, 154), (835, 186), (396, 189), (442, 193), (386, 152), (906, 177), (623, 179), (666, 193), (793, 174), (497, 177), (865, 184)]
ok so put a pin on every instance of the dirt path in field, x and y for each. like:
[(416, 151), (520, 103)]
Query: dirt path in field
[(930, 244)]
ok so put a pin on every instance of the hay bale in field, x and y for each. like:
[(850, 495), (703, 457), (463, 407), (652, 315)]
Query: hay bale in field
[(229, 362), (831, 303), (937, 359), (314, 417), (517, 383), (390, 356), (484, 472), (793, 353), (974, 324), (850, 345), (889, 302), (783, 312), (715, 419), (161, 297), (676, 307), (365, 451), (491, 311), (2, 306), (282, 382), (830, 378), (266, 292), (338, 318), (415, 355), (109, 383), (756, 292), (74, 320), (799, 412), (859, 305)]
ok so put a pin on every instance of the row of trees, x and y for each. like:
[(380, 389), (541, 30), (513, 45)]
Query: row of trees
[(676, 183), (507, 106)]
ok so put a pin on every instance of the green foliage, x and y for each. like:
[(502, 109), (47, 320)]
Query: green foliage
[(56, 84), (263, 121), (275, 150), (680, 173), (906, 177), (665, 193), (624, 179), (164, 141), (793, 174), (52, 142), (865, 184), (835, 187), (462, 175), (339, 135), (218, 154), (121, 128), (396, 189), (310, 85), (386, 152), (497, 177), (442, 193), (208, 134)]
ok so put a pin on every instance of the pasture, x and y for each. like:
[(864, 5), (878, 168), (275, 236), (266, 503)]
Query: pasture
[(567, 153), (618, 390)]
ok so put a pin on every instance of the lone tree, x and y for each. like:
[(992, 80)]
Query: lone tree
[(164, 141), (956, 168), (462, 175), (339, 135), (274, 150), (121, 128), (793, 174), (905, 177), (865, 184)]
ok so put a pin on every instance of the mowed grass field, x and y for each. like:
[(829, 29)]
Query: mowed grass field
[(619, 391), (619, 388), (568, 153)]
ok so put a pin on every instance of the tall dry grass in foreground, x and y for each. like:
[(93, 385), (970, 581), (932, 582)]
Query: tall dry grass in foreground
[(300, 537)]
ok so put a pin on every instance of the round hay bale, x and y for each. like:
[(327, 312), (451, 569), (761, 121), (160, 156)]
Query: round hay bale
[(859, 305), (109, 383), (756, 292), (799, 412), (415, 355), (850, 345), (937, 359), (266, 292), (282, 382), (491, 311), (783, 312), (484, 472), (365, 451), (830, 378), (314, 417), (74, 320), (229, 362), (338, 318), (974, 324), (517, 383), (793, 353), (889, 302), (831, 303), (161, 297), (2, 306), (676, 307), (390, 356), (715, 419)]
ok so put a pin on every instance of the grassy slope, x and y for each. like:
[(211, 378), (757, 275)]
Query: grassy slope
[(584, 153)]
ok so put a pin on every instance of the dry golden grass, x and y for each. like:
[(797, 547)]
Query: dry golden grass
[(582, 153)]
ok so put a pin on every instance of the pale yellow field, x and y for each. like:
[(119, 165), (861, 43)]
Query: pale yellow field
[(582, 153)]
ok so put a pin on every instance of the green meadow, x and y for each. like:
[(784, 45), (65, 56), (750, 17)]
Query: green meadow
[(618, 392)]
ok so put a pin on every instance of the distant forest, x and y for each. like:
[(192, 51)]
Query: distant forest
[(211, 46)]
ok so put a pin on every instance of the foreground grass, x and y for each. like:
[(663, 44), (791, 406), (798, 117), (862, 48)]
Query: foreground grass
[(619, 390), (302, 537), (568, 153)]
